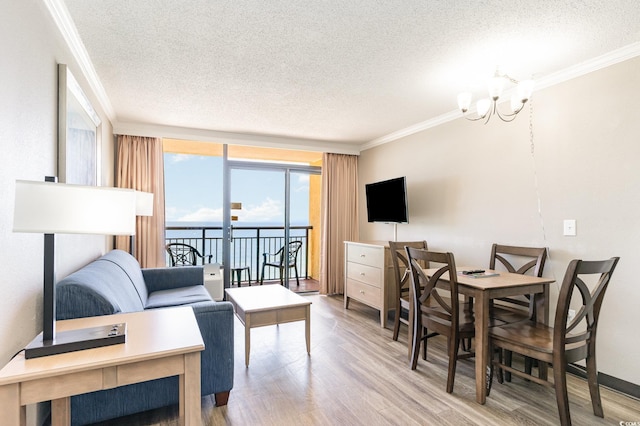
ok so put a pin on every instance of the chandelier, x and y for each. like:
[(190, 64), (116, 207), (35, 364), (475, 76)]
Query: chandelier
[(488, 107)]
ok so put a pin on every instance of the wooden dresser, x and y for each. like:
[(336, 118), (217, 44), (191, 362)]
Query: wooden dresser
[(369, 276)]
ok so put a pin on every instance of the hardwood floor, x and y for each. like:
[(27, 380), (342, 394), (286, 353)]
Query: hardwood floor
[(357, 375)]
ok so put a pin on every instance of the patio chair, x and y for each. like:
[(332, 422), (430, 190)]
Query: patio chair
[(181, 254), (282, 259)]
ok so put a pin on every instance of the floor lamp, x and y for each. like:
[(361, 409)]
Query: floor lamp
[(51, 208)]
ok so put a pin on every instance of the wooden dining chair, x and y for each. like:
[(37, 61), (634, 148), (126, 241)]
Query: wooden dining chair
[(517, 260), (401, 274), (507, 310), (569, 340), (434, 314)]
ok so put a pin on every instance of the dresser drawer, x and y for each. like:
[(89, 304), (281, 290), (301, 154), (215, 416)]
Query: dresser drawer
[(366, 255), (364, 273), (363, 292)]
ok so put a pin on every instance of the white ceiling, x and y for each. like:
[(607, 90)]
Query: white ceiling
[(348, 71)]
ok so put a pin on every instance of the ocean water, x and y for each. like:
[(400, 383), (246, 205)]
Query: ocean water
[(238, 232)]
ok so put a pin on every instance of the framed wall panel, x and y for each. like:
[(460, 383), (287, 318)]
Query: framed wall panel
[(78, 133)]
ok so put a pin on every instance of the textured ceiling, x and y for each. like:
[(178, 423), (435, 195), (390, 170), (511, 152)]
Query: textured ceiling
[(335, 70)]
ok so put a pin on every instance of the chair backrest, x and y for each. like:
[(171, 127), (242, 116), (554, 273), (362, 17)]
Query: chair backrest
[(182, 254), (425, 296), (531, 261), (535, 257), (401, 264), (582, 328), (292, 258)]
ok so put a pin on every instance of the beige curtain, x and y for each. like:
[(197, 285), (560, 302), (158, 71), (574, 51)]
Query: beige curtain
[(139, 165), (339, 217)]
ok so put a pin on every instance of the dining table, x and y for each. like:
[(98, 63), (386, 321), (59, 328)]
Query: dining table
[(483, 288)]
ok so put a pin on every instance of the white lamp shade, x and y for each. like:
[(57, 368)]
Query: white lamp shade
[(144, 203), (57, 208), (516, 103), (496, 85), (482, 106), (464, 101), (525, 89)]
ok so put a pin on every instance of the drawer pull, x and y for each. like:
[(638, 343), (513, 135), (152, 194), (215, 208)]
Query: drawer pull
[(361, 291), (362, 273), (363, 255)]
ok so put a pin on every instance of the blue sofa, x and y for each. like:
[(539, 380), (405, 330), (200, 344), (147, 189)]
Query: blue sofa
[(114, 284)]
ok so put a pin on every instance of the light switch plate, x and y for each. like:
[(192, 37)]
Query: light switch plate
[(569, 228)]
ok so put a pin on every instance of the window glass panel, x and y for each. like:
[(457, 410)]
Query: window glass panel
[(193, 202)]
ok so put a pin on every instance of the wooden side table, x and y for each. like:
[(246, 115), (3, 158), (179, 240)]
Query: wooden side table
[(160, 343)]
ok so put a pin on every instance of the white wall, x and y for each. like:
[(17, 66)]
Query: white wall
[(470, 185), (32, 48)]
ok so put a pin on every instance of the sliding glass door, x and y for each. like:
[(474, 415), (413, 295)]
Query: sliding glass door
[(257, 222), (268, 222), (233, 203)]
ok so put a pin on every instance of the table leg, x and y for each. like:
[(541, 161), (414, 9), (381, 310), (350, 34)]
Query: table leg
[(12, 412), (542, 316), (307, 328), (481, 307), (247, 338), (61, 412), (190, 406)]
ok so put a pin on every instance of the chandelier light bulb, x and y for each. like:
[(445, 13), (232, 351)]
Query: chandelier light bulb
[(496, 84), (516, 103), (464, 101), (482, 106), (525, 89)]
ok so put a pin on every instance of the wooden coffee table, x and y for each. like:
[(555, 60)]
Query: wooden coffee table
[(271, 304)]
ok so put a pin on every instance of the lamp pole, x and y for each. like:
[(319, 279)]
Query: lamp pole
[(49, 282)]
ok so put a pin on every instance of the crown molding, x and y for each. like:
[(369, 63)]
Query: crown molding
[(67, 28), (231, 138), (416, 128), (611, 58)]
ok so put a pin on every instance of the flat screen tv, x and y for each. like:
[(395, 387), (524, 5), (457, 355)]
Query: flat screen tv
[(387, 201)]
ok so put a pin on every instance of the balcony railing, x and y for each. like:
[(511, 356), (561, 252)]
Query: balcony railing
[(248, 243)]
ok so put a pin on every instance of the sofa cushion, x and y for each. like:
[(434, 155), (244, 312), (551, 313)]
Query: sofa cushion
[(177, 296), (131, 268), (157, 279), (104, 289)]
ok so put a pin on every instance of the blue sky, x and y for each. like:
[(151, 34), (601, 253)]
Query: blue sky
[(193, 192)]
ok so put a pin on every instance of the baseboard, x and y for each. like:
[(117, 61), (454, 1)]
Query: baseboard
[(611, 382)]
